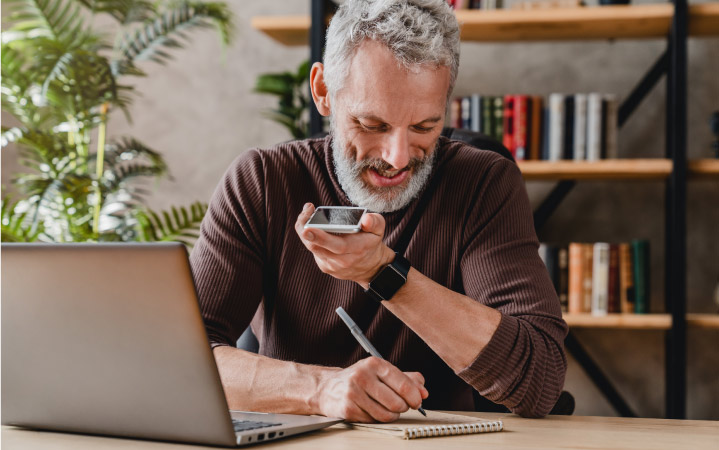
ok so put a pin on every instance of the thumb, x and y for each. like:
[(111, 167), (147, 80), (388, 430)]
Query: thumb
[(373, 223)]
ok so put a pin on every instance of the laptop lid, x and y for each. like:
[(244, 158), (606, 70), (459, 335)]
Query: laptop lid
[(108, 339)]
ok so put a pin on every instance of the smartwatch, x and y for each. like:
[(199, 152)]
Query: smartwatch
[(389, 279)]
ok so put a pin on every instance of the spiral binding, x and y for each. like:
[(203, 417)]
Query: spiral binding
[(451, 430)]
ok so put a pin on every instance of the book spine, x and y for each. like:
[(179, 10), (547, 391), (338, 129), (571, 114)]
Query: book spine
[(535, 146), (520, 126), (603, 131), (612, 126), (587, 263), (600, 279), (580, 127), (626, 279), (498, 123), (466, 113), (556, 127), (487, 127), (546, 132), (576, 275), (568, 127), (563, 275), (640, 254), (594, 126), (613, 292), (508, 126), (476, 113), (455, 113)]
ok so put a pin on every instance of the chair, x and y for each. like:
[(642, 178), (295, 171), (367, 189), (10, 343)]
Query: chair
[(565, 404)]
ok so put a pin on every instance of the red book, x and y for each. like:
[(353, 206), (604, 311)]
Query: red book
[(455, 113), (508, 137), (613, 298), (536, 127), (520, 127)]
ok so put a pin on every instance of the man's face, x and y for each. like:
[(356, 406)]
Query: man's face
[(385, 124)]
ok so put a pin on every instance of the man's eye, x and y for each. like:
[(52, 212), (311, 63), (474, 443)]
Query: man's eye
[(421, 129), (372, 127)]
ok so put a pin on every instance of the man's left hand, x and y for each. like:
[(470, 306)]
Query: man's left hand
[(357, 257)]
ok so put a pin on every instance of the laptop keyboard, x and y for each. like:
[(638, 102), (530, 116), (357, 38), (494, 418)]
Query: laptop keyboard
[(244, 425)]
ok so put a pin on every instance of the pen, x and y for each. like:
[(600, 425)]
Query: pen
[(362, 339)]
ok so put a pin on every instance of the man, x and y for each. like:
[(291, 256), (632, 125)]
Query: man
[(477, 310)]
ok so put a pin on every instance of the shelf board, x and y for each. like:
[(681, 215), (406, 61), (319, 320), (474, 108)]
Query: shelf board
[(625, 321), (704, 168), (704, 19), (606, 169), (506, 25), (709, 321)]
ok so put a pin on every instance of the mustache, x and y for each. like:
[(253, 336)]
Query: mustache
[(382, 165)]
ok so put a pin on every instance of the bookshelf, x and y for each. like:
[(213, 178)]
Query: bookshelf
[(588, 23), (673, 21), (606, 169)]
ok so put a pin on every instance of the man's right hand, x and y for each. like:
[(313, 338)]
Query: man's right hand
[(371, 390)]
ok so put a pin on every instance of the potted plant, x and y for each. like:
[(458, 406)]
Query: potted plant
[(60, 79)]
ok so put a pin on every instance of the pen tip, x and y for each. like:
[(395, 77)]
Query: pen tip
[(422, 411)]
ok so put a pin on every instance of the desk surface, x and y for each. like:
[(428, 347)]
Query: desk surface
[(550, 433)]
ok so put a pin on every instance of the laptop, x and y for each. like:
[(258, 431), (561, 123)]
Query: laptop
[(107, 339)]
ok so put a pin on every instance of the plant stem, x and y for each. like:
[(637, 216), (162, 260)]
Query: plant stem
[(100, 164)]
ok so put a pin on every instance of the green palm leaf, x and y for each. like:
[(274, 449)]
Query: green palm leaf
[(59, 20), (15, 224), (179, 224), (147, 43)]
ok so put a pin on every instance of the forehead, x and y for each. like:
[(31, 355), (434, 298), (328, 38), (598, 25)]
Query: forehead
[(379, 84)]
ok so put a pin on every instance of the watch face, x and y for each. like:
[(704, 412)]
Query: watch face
[(387, 282)]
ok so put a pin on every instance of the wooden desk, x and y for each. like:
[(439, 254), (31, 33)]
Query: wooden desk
[(549, 433)]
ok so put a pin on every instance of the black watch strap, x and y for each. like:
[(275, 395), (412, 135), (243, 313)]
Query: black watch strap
[(389, 279)]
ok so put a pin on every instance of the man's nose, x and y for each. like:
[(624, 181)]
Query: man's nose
[(396, 149)]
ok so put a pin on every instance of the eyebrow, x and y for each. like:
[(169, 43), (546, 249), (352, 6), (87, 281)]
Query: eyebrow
[(434, 119)]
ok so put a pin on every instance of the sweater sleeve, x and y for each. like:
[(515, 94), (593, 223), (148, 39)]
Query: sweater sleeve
[(524, 364), (227, 259)]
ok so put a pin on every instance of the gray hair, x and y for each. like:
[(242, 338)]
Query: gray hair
[(418, 32)]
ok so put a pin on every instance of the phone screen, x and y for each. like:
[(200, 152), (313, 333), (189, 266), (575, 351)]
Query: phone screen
[(336, 216)]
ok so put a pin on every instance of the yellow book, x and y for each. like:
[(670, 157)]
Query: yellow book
[(412, 425)]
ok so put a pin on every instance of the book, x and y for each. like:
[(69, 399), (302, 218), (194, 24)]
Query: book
[(576, 278), (535, 128), (466, 110), (455, 113), (640, 255), (497, 122), (556, 127), (626, 279), (613, 292), (587, 270), (412, 425), (580, 127), (475, 113), (568, 128), (508, 125), (486, 122), (600, 279), (594, 127), (521, 106)]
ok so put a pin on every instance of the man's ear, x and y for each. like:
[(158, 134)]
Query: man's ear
[(319, 89)]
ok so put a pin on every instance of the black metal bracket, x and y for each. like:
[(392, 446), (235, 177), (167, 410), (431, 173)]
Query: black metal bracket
[(551, 202), (642, 89), (597, 376)]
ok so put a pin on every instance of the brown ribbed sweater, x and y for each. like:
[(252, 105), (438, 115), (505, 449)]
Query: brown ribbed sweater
[(475, 237)]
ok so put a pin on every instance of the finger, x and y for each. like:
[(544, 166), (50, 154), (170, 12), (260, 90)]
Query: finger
[(304, 216), (419, 379), (382, 394), (375, 410), (373, 223), (400, 383)]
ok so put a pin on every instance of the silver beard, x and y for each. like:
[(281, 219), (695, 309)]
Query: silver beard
[(380, 200)]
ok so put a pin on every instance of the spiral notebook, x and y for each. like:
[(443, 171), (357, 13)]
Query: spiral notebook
[(412, 425)]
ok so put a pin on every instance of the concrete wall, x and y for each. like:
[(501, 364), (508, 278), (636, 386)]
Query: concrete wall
[(201, 113)]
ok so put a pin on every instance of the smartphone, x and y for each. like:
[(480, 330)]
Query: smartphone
[(337, 219)]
